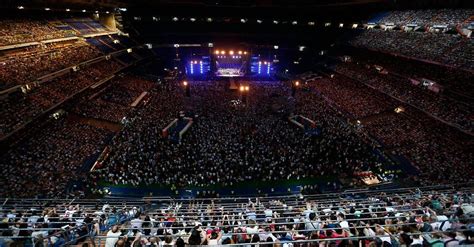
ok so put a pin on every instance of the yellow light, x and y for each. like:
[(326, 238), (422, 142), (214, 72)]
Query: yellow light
[(297, 83), (247, 88), (240, 52), (217, 52), (223, 52), (245, 52), (231, 52), (185, 83), (242, 88)]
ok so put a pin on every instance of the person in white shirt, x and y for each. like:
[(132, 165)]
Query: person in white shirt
[(70, 212), (112, 236), (136, 223), (311, 223)]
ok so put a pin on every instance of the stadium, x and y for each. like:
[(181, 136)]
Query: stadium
[(240, 123)]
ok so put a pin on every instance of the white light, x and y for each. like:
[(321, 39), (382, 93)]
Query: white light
[(259, 21), (301, 48), (47, 9), (176, 45), (341, 24), (275, 22), (209, 19), (275, 47), (210, 45), (21, 7), (67, 10), (83, 11), (327, 24), (175, 18), (243, 20), (107, 12), (123, 9), (155, 19), (294, 22), (192, 19), (311, 23)]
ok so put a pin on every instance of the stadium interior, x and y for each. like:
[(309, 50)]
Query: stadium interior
[(242, 123)]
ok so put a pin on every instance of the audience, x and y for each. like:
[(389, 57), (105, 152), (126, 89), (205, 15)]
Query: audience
[(438, 47)]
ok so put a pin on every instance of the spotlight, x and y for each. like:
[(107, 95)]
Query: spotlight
[(341, 24), (245, 52), (294, 22), (217, 52), (240, 52), (107, 12), (210, 45), (175, 18), (84, 11), (209, 19), (176, 45), (301, 48), (242, 88), (231, 52), (243, 20), (259, 21), (192, 19), (67, 10), (297, 83), (311, 23), (247, 88), (47, 9), (275, 22), (223, 52), (185, 83), (275, 47), (21, 7)]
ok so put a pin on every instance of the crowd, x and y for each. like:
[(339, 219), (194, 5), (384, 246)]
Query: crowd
[(453, 81), (432, 147), (410, 218), (19, 31), (60, 222), (113, 105), (450, 17), (27, 65), (446, 108), (226, 137), (438, 47), (18, 110), (44, 165), (354, 98)]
